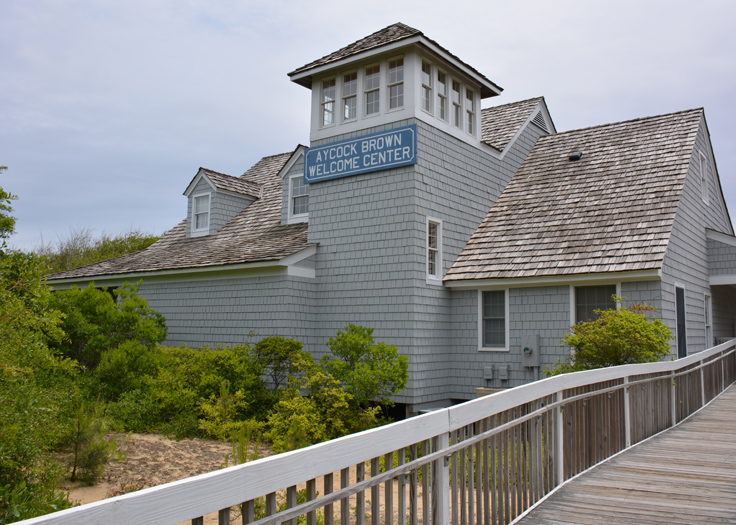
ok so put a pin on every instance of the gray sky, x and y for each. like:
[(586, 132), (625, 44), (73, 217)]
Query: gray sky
[(107, 108)]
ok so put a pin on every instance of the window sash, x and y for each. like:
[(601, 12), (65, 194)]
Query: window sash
[(299, 196), (590, 298), (434, 263), (328, 102), (371, 85), (201, 212), (493, 318)]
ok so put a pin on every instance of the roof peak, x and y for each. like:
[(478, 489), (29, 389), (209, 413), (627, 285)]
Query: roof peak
[(630, 121)]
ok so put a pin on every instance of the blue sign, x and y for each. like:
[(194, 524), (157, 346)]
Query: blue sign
[(374, 152)]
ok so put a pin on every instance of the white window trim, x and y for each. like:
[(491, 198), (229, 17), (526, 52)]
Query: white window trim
[(708, 319), (198, 232), (573, 319), (293, 218), (443, 97), (322, 102), (482, 348), (433, 279)]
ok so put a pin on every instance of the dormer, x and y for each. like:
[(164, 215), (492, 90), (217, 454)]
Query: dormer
[(394, 74), (214, 199), (294, 189)]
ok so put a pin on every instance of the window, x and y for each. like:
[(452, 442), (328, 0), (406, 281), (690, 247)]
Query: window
[(470, 112), (396, 83), (434, 249), (703, 168), (350, 96), (201, 212), (457, 115), (426, 87), (298, 196), (328, 102), (371, 87), (708, 323), (442, 95), (493, 319), (591, 298)]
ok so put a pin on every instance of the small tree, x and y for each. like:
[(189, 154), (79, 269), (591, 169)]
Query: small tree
[(368, 371), (617, 337)]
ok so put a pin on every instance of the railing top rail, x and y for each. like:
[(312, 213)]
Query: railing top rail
[(195, 496)]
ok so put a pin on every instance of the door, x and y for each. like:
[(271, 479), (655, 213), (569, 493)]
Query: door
[(680, 313)]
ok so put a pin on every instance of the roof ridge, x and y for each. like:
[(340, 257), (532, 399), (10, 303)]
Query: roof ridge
[(629, 121), (539, 98), (218, 172)]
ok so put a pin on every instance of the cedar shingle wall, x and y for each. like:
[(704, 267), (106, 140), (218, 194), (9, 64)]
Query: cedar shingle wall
[(686, 260)]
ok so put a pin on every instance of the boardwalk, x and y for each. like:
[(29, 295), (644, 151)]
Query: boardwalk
[(686, 475)]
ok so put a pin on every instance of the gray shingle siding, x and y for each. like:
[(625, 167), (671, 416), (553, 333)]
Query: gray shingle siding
[(721, 257), (224, 207), (231, 308), (686, 260)]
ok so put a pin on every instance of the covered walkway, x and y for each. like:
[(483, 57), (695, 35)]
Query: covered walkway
[(686, 475)]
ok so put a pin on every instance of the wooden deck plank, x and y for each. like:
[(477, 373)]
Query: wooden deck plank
[(687, 475)]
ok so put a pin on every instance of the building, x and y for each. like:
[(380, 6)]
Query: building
[(470, 238)]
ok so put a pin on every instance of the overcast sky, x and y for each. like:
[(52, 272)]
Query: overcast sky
[(107, 108)]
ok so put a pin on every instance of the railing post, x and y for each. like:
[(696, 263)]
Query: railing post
[(441, 496), (673, 404), (702, 383), (723, 372), (627, 412), (559, 443)]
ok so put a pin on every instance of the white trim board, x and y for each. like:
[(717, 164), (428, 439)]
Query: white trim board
[(556, 280)]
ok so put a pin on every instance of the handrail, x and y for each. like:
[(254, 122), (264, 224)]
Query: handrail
[(523, 420)]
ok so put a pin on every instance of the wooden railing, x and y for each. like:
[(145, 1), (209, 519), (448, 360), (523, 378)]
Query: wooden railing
[(485, 461)]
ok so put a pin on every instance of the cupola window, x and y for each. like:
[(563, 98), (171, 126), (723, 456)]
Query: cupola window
[(442, 95), (372, 86), (426, 87), (396, 83), (350, 96), (328, 102), (470, 111), (457, 107)]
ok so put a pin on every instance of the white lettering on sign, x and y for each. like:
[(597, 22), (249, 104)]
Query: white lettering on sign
[(361, 155)]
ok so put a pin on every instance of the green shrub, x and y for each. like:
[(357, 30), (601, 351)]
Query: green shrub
[(95, 322), (90, 451), (617, 337), (370, 372)]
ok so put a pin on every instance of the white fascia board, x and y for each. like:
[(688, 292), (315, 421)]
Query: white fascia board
[(721, 280), (720, 237), (200, 175), (299, 152), (418, 39), (523, 282), (285, 261)]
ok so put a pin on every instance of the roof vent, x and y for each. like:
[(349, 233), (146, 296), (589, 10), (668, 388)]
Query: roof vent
[(575, 155), (539, 121)]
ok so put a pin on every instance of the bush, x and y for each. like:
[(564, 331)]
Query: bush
[(90, 450), (370, 372), (81, 249), (95, 322), (617, 337)]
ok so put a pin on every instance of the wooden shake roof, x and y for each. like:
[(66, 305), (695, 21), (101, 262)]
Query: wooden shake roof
[(254, 235), (610, 211)]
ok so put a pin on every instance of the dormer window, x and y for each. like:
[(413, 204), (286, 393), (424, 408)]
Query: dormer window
[(201, 213), (396, 83), (298, 199), (350, 96), (371, 87), (328, 102)]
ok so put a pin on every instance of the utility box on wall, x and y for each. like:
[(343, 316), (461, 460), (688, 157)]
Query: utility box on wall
[(530, 351)]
